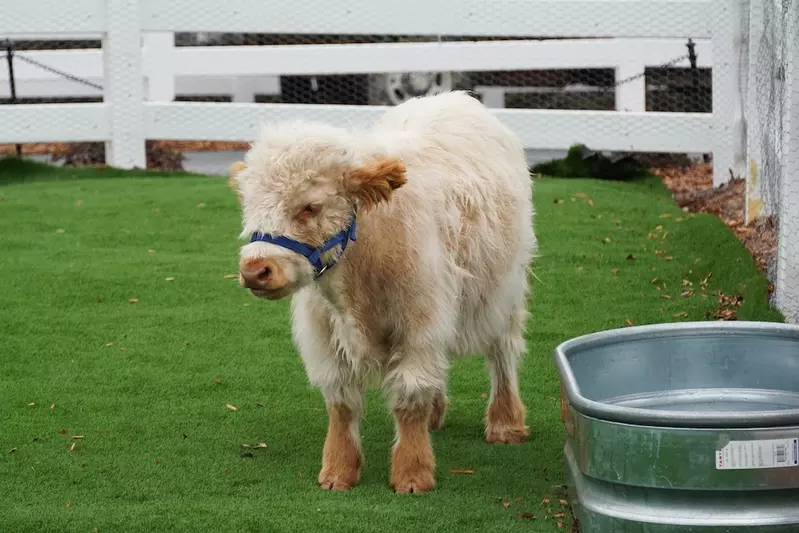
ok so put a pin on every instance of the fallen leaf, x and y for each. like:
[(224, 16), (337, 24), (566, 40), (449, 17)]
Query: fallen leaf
[(32, 404), (122, 349), (590, 202), (72, 448), (12, 450), (579, 268), (62, 432), (217, 381), (665, 297), (232, 407), (69, 504), (79, 203), (559, 515), (151, 251), (631, 257), (231, 276), (459, 471), (506, 504), (526, 516), (615, 270), (681, 315), (77, 437), (665, 215), (261, 445), (686, 294), (109, 344), (558, 201), (156, 210), (658, 227), (520, 499), (259, 404), (60, 230), (564, 502), (201, 204), (171, 278), (559, 524), (685, 283), (628, 323), (245, 446), (545, 500), (158, 461), (606, 240), (668, 258), (134, 300), (483, 395)]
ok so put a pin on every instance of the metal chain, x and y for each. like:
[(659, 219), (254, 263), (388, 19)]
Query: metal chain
[(641, 74), (61, 73)]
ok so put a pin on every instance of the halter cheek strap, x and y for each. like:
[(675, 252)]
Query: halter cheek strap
[(313, 255)]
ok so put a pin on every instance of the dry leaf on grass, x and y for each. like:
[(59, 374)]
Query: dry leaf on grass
[(79, 203), (483, 395), (559, 515), (261, 445), (461, 471), (232, 407), (665, 297), (505, 504), (259, 404), (201, 204), (32, 404), (564, 502), (686, 294), (60, 231), (231, 276), (109, 344), (614, 270), (606, 240), (72, 448), (559, 524), (631, 257), (12, 450), (526, 516), (69, 504), (62, 432), (681, 315), (545, 500), (628, 323), (151, 251), (170, 278), (77, 437), (52, 406), (665, 215), (134, 300)]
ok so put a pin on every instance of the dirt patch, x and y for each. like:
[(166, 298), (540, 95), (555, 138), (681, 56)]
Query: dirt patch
[(692, 188)]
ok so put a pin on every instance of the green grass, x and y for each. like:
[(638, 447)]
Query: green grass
[(147, 384)]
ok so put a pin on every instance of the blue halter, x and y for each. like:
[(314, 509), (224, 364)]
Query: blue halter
[(314, 255)]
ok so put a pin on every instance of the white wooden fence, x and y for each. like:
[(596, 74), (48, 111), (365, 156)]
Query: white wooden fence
[(624, 34)]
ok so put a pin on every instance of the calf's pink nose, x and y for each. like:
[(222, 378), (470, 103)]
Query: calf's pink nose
[(264, 274)]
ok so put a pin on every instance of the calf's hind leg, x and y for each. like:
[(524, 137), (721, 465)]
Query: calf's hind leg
[(506, 412)]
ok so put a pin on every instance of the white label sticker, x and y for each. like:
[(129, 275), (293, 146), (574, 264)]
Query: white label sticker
[(749, 454)]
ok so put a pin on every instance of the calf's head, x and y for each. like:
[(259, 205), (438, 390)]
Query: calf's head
[(301, 187)]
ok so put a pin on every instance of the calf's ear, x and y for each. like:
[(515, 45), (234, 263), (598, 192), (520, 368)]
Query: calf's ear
[(374, 182), (235, 169)]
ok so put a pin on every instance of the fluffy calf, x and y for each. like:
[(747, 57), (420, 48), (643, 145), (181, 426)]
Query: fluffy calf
[(402, 246)]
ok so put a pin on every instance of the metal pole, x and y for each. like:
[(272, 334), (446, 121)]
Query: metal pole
[(12, 84)]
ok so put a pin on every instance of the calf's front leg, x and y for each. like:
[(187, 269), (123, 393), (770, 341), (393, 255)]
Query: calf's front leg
[(341, 456)]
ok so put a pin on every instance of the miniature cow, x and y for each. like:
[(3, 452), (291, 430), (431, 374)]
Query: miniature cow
[(403, 246)]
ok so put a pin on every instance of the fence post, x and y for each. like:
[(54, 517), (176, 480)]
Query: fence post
[(158, 65), (631, 96), (753, 206), (787, 284), (729, 153), (122, 61)]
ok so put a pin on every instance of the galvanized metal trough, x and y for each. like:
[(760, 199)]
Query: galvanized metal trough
[(683, 427)]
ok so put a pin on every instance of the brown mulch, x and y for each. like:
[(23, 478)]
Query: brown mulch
[(177, 146), (692, 189)]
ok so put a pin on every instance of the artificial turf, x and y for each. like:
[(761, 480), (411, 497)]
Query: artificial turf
[(118, 325)]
